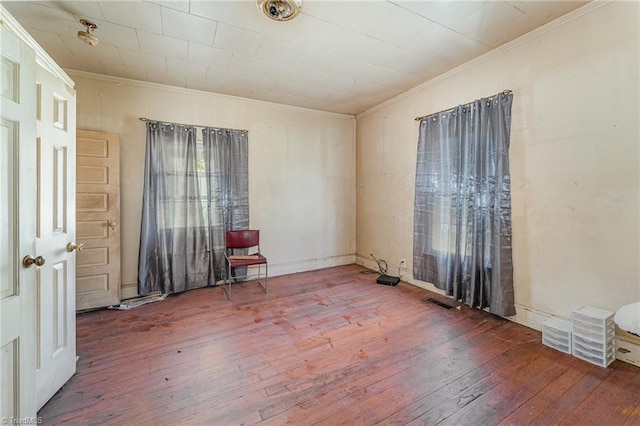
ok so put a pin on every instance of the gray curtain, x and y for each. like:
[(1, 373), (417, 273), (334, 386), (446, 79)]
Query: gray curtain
[(173, 241), (226, 157), (193, 193), (462, 212)]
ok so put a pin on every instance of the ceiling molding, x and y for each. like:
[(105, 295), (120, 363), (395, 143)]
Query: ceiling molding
[(42, 58), (185, 90)]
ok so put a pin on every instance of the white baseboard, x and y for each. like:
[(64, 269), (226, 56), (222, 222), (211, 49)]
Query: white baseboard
[(277, 269), (128, 291), (530, 317)]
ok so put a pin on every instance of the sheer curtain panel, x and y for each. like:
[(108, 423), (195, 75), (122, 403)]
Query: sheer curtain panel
[(174, 253), (462, 212), (226, 157)]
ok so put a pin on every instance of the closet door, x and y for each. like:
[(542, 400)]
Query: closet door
[(98, 211)]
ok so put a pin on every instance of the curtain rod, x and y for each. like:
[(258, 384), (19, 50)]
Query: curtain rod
[(504, 92), (191, 125)]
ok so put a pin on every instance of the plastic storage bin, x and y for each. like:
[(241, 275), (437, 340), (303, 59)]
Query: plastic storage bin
[(556, 333), (593, 335)]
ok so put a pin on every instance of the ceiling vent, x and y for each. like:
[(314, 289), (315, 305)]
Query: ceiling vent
[(86, 36), (280, 10)]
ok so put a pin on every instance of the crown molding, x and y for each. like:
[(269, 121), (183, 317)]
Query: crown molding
[(42, 57), (148, 84)]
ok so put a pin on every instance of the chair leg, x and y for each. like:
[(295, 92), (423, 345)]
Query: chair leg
[(227, 280), (264, 285)]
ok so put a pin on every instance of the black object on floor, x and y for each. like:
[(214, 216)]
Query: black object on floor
[(387, 280), (437, 302)]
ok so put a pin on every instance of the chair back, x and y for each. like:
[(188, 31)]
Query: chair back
[(243, 239)]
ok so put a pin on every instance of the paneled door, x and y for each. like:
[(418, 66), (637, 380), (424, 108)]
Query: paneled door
[(98, 219), (17, 228), (55, 234)]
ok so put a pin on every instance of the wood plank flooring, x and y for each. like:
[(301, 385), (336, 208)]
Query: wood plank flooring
[(329, 347)]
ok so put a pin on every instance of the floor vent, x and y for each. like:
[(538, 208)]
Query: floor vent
[(437, 302)]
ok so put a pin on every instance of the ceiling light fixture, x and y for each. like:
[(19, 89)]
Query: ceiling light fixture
[(280, 10), (86, 36)]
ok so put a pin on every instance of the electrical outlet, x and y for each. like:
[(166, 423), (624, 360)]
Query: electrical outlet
[(403, 262)]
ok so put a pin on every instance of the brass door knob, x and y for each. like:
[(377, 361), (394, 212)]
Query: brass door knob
[(73, 246), (29, 261)]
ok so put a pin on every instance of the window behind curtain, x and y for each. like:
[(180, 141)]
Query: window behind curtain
[(226, 157), (462, 211), (183, 220)]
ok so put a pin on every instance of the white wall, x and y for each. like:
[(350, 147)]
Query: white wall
[(301, 173), (574, 160)]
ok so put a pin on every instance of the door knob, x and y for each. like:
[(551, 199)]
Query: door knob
[(113, 225), (73, 246), (29, 261)]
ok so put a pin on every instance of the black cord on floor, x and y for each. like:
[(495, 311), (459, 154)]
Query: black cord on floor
[(383, 267)]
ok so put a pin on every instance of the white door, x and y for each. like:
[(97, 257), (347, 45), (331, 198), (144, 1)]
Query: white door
[(55, 234), (17, 229)]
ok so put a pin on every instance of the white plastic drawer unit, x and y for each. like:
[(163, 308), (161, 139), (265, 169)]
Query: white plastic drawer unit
[(556, 333), (593, 335)]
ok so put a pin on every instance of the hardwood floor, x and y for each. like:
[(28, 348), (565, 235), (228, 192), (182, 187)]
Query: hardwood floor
[(329, 347)]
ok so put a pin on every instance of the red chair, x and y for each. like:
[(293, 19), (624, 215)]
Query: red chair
[(242, 240)]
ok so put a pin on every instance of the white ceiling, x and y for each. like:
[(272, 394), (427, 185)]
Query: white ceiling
[(339, 56)]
